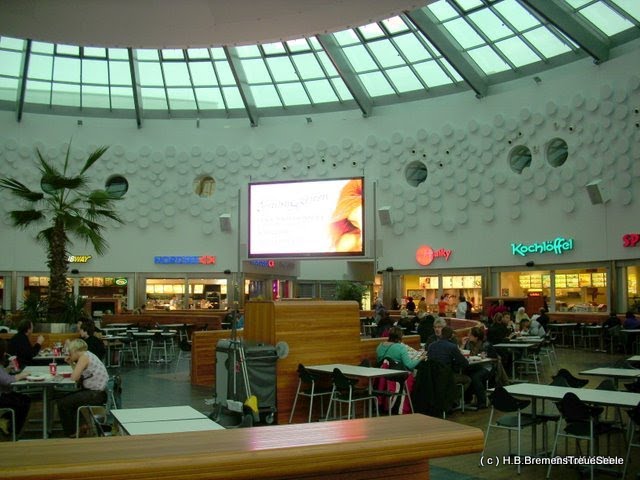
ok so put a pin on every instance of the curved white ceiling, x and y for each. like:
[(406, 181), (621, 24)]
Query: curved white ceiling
[(187, 23)]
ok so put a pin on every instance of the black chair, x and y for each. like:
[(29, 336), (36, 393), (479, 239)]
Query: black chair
[(634, 424), (396, 390), (582, 423), (345, 390), (609, 385), (307, 387), (573, 382), (502, 401), (10, 421)]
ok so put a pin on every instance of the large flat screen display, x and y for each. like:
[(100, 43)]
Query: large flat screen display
[(318, 218)]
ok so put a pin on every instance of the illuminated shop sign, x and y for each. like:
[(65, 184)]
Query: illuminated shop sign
[(78, 258), (630, 239), (557, 246), (121, 282), (273, 264), (185, 260), (425, 254)]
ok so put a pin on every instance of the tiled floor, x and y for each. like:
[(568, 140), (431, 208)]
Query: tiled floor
[(161, 385)]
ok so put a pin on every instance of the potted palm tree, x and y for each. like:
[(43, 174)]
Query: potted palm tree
[(66, 207)]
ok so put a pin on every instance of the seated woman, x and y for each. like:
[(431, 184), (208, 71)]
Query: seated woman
[(479, 373), (397, 351), (19, 402), (92, 375)]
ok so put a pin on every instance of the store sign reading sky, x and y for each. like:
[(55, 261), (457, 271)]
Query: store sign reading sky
[(557, 246), (185, 260), (425, 254), (630, 239)]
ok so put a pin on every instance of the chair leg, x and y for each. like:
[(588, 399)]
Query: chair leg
[(295, 401), (554, 449)]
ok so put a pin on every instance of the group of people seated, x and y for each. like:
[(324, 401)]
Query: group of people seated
[(85, 354)]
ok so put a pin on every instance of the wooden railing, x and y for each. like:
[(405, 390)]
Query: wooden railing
[(199, 320), (372, 448)]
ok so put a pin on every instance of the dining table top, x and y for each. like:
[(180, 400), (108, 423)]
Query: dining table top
[(154, 414), (612, 372), (356, 370), (588, 395)]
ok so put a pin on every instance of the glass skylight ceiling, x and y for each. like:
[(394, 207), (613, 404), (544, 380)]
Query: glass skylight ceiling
[(446, 46)]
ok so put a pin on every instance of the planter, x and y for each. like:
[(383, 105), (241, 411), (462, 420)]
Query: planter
[(52, 328)]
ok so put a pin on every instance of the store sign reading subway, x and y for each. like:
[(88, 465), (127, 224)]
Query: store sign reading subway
[(78, 258), (557, 246)]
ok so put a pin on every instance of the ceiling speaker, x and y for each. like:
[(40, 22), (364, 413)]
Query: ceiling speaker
[(384, 214), (597, 193), (225, 222)]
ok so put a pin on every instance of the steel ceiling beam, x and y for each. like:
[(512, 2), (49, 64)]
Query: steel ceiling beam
[(240, 77), (348, 74), (22, 82), (572, 26), (450, 49), (135, 85)]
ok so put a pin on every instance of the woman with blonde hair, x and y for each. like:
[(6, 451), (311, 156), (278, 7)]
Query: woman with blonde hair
[(92, 376)]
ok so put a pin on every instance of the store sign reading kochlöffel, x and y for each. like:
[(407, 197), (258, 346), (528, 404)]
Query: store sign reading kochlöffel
[(557, 246)]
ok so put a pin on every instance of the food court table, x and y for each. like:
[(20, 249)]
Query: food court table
[(614, 373), (145, 421), (562, 328), (45, 386), (357, 371), (373, 448)]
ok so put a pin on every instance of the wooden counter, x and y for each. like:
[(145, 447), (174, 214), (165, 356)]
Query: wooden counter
[(362, 449)]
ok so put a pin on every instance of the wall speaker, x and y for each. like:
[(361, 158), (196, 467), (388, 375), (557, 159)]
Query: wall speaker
[(225, 222), (384, 214), (597, 193)]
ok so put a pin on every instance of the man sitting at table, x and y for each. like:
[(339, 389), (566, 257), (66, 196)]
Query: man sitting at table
[(20, 345), (87, 329), (19, 402), (446, 352)]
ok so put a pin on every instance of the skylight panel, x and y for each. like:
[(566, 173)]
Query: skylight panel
[(181, 99), (468, 4), (202, 73), (150, 74), (606, 19), (546, 42), (248, 51), (176, 74), (359, 58), (490, 24), (308, 66), (488, 60), (375, 84), (411, 48), (327, 64), (298, 45), (10, 63), (432, 74), (281, 69), (233, 98), (346, 38), (41, 47), (118, 54), (95, 71), (66, 70), (321, 91), (442, 10), (209, 98), (67, 50), (119, 73), (632, 7), (395, 25), (463, 33), (404, 79), (386, 53), (451, 71), (274, 48), (154, 98), (10, 43), (198, 54), (172, 54), (225, 75), (38, 92), (517, 51), (65, 94), (293, 94), (256, 71), (371, 31), (266, 96), (95, 52), (95, 96), (518, 16), (217, 53), (8, 88), (147, 54), (122, 98)]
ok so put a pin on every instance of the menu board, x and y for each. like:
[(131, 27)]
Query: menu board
[(546, 281), (599, 279), (584, 279), (561, 281), (429, 283), (109, 282), (536, 280), (86, 282), (572, 280), (525, 281)]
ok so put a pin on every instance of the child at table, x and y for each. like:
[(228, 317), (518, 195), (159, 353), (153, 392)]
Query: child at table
[(92, 375), (19, 402)]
